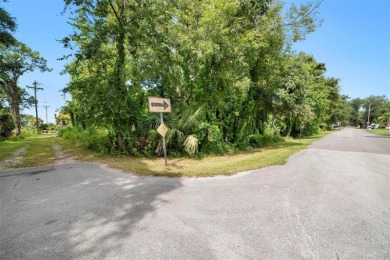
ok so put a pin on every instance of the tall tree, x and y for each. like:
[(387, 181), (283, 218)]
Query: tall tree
[(14, 62), (218, 61), (375, 106), (7, 27)]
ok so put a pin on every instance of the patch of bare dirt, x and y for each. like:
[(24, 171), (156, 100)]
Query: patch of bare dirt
[(61, 157), (15, 159)]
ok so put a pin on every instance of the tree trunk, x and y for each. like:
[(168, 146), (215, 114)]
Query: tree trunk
[(15, 109)]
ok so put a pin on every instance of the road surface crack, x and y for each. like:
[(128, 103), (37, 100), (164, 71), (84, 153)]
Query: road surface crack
[(16, 184)]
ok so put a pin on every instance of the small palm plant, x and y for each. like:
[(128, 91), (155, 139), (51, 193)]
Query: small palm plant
[(183, 128)]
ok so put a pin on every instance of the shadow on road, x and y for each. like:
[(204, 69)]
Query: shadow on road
[(87, 213)]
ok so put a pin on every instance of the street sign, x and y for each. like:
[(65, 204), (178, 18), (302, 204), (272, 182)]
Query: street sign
[(162, 130), (161, 105)]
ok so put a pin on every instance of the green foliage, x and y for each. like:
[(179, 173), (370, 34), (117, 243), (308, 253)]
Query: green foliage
[(15, 60), (7, 27), (29, 131), (48, 128), (191, 144), (385, 118), (359, 108), (227, 67), (64, 117), (6, 123), (94, 138)]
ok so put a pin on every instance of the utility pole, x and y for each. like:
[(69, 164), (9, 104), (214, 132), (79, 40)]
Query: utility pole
[(369, 111), (35, 83), (46, 113)]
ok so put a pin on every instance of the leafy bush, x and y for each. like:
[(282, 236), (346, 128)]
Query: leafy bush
[(48, 127), (94, 138), (211, 140), (149, 144), (68, 132), (272, 126), (258, 140), (6, 125), (310, 129), (29, 130)]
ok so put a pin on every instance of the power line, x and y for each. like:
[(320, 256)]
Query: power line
[(46, 113), (35, 83)]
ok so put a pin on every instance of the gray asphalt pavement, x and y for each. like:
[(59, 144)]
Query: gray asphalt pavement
[(330, 201)]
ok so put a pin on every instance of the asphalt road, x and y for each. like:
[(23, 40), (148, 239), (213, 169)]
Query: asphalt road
[(331, 201)]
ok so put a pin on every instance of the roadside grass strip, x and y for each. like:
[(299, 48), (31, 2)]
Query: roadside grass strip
[(8, 147), (276, 154), (383, 132), (40, 151)]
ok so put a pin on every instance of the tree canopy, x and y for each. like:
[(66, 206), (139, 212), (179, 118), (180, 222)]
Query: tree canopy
[(7, 27), (227, 66)]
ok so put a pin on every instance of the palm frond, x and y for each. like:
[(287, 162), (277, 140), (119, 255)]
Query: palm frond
[(191, 144)]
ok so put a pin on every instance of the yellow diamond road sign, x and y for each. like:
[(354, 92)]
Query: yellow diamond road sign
[(162, 129)]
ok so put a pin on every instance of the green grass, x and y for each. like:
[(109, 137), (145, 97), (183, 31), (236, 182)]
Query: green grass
[(41, 152), (276, 154), (380, 131), (8, 147)]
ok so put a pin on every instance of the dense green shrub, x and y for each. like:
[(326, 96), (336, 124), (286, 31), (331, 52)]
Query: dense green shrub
[(67, 132), (310, 129), (29, 130), (94, 138), (6, 125), (50, 127), (258, 140)]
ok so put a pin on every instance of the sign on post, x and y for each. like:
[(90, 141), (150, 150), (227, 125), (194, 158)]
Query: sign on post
[(160, 105), (162, 130)]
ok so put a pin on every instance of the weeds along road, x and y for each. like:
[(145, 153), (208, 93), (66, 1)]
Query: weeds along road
[(331, 201)]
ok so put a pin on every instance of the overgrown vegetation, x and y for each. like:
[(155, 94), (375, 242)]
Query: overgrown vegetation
[(39, 150), (227, 67), (93, 138), (274, 154)]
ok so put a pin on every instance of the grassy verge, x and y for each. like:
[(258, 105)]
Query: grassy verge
[(8, 147), (380, 131), (41, 152), (276, 154)]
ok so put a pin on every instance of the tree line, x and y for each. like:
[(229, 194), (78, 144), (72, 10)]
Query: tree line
[(16, 59), (227, 65)]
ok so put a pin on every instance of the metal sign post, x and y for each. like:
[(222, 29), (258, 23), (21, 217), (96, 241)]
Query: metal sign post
[(163, 139), (161, 105)]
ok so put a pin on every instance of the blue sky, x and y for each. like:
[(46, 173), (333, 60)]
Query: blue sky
[(40, 24), (353, 42)]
